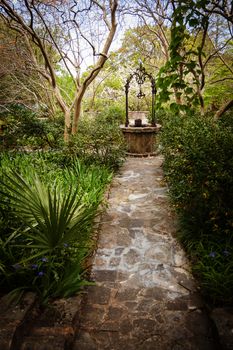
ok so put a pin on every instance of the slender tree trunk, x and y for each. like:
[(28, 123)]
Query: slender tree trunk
[(177, 96), (67, 126), (103, 56), (77, 113), (67, 114), (77, 109), (202, 104), (26, 26), (223, 109)]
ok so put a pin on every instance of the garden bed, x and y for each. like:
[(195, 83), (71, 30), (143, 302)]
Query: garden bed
[(45, 245)]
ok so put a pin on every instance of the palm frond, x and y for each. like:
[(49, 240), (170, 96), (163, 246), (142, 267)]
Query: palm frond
[(53, 217)]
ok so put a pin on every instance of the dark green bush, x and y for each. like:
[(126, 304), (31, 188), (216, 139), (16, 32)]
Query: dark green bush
[(98, 141), (199, 170), (113, 114), (24, 129)]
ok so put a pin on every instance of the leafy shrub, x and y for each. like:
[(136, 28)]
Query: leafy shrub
[(113, 114), (25, 129), (98, 141), (199, 170)]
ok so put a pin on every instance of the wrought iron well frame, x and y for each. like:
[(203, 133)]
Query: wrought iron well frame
[(140, 76)]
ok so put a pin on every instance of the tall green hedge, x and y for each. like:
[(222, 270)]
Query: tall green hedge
[(199, 170)]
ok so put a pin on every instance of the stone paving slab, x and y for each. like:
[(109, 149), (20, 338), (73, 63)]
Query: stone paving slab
[(144, 297), (53, 327), (13, 319), (223, 320), (28, 326)]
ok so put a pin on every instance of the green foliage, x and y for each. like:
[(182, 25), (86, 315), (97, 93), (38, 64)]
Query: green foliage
[(67, 86), (199, 170), (106, 90), (180, 76), (174, 77), (141, 43), (47, 224), (114, 82), (215, 267), (52, 217), (112, 115), (99, 140), (199, 70), (25, 129), (220, 88)]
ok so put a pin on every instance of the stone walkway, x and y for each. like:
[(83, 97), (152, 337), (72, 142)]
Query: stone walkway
[(144, 297)]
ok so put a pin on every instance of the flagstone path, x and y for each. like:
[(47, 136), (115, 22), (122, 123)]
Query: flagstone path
[(145, 297)]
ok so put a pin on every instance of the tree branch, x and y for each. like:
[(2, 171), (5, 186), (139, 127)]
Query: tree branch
[(18, 19), (223, 109), (54, 42), (220, 80)]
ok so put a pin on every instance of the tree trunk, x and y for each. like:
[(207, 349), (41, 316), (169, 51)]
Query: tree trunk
[(97, 67), (67, 113), (177, 96), (223, 109), (67, 126), (77, 109)]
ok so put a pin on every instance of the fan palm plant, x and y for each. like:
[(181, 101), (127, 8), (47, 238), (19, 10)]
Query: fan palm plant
[(54, 218)]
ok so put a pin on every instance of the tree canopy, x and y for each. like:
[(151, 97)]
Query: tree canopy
[(54, 53)]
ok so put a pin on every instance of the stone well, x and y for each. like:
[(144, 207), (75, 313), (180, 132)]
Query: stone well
[(140, 136), (140, 140)]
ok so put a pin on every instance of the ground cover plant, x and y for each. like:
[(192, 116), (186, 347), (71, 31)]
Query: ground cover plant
[(199, 170), (47, 213)]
